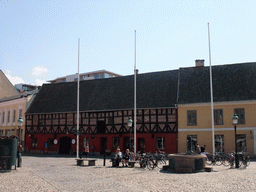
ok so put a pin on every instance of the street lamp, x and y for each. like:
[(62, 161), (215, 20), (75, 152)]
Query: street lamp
[(129, 123), (235, 122), (19, 123)]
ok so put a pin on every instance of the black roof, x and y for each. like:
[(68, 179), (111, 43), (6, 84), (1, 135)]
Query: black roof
[(154, 90), (234, 82)]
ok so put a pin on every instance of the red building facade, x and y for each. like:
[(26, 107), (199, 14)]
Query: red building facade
[(156, 130), (105, 106)]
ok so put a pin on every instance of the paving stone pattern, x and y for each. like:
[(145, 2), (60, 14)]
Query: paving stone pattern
[(62, 174)]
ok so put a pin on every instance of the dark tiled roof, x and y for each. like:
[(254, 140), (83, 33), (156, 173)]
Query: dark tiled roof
[(154, 90), (233, 82)]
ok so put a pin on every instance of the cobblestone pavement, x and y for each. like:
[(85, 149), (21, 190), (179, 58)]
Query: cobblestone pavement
[(62, 174)]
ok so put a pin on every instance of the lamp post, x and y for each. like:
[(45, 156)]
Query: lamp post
[(235, 122), (129, 123), (19, 123)]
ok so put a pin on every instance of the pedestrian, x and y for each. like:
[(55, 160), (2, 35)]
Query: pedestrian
[(86, 150), (203, 149), (118, 157), (126, 158), (198, 150), (93, 148)]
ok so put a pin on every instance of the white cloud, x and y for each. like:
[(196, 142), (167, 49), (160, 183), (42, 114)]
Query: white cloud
[(39, 71), (40, 82), (14, 80)]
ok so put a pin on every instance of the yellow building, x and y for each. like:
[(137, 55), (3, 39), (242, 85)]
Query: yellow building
[(11, 108), (234, 92)]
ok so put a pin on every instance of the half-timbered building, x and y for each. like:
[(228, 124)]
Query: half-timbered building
[(105, 106)]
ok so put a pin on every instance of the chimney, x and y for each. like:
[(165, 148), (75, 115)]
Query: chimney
[(199, 63), (137, 71)]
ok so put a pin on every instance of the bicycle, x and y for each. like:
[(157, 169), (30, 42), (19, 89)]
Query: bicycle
[(244, 159), (216, 159)]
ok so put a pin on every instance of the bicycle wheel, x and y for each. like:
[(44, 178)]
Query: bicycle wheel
[(218, 161), (209, 160), (247, 159), (151, 164), (226, 161)]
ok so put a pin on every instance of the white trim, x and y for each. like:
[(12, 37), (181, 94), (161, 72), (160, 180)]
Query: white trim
[(254, 141), (218, 103), (218, 129)]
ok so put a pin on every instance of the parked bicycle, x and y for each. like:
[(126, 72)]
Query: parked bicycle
[(215, 159), (244, 159)]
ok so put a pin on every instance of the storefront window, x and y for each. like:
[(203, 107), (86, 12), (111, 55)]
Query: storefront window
[(160, 143), (241, 143), (34, 143), (219, 143), (116, 141)]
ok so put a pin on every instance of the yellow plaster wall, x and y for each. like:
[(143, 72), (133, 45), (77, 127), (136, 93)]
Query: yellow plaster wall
[(204, 122)]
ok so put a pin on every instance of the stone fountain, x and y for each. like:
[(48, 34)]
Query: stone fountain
[(189, 162)]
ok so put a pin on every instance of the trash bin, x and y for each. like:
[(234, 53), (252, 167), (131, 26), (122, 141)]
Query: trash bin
[(8, 151)]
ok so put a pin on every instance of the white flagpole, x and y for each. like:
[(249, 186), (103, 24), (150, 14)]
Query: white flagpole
[(213, 139), (77, 115), (135, 71)]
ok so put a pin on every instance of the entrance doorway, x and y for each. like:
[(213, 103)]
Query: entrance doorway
[(65, 145), (103, 144)]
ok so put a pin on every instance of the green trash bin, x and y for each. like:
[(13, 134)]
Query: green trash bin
[(8, 151)]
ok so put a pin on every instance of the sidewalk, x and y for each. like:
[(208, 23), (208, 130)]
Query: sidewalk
[(42, 173)]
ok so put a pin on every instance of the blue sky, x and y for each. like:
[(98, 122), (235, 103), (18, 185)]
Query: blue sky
[(39, 39)]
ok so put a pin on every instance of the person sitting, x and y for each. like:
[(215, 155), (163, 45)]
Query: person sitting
[(118, 157), (126, 158)]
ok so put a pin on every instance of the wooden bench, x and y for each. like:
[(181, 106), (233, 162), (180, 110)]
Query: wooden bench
[(91, 162)]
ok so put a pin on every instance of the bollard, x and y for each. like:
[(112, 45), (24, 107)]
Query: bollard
[(104, 159), (19, 160)]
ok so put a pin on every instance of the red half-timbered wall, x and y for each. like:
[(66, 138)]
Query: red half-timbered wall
[(103, 126)]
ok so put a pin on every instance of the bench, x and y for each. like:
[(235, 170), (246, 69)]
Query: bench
[(91, 162), (115, 163), (132, 163)]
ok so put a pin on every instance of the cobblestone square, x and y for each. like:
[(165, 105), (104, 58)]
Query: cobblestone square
[(47, 173)]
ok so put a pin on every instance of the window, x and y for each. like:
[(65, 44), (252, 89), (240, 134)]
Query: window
[(191, 117), (219, 143), (107, 75), (241, 115), (50, 143), (241, 143), (218, 117), (96, 76), (14, 116), (1, 132), (160, 143), (20, 112), (75, 79), (193, 140), (34, 143), (116, 141), (8, 119), (3, 117), (102, 75), (141, 145), (86, 141)]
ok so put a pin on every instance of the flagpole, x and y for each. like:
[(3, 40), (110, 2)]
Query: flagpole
[(135, 71), (77, 115), (212, 112)]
